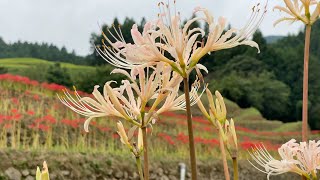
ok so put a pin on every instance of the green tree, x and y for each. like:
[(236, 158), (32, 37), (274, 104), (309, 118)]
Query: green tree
[(261, 90), (57, 74), (3, 70), (86, 81)]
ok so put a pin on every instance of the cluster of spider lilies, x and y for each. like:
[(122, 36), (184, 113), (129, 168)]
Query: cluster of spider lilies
[(161, 58)]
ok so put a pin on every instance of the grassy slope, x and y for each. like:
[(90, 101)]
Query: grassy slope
[(249, 118), (14, 63), (23, 66)]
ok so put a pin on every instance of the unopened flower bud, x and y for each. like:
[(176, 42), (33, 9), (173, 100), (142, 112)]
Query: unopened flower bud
[(44, 174), (140, 140), (122, 133), (231, 140)]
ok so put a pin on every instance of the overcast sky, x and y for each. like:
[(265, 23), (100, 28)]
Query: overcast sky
[(70, 22)]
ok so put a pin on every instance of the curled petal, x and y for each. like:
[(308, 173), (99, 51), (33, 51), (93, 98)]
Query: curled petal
[(284, 19), (86, 124), (202, 67), (252, 44)]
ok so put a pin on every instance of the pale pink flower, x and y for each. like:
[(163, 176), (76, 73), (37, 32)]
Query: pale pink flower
[(130, 99), (109, 105), (299, 10), (176, 102), (185, 46), (126, 55), (219, 39), (301, 158)]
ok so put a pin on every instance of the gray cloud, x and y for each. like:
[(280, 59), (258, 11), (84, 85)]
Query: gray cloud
[(70, 22)]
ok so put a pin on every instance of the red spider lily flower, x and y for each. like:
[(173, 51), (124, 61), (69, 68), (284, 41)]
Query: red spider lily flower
[(14, 111), (43, 127), (50, 119), (32, 126), (36, 97), (7, 126), (53, 86), (17, 117), (104, 129), (30, 112), (15, 101)]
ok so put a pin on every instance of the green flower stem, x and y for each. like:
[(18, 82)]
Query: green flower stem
[(145, 147), (235, 168), (138, 163), (190, 131), (314, 175), (224, 158), (305, 85)]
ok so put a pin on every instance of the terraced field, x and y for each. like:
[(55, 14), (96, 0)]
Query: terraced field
[(32, 117)]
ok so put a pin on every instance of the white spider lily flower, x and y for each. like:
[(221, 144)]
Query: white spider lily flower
[(309, 156), (148, 85), (129, 100), (219, 39), (174, 102), (126, 55), (301, 158), (108, 105), (186, 46), (299, 10), (167, 40)]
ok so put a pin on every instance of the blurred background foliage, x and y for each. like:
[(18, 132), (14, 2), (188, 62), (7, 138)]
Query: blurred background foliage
[(270, 81)]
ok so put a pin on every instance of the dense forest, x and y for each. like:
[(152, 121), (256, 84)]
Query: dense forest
[(271, 81), (45, 51)]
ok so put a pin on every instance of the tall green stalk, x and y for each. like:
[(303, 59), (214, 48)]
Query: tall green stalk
[(190, 130), (138, 163), (314, 175), (305, 84), (145, 147), (224, 158)]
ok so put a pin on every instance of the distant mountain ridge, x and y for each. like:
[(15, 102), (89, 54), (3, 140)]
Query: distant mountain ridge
[(273, 38)]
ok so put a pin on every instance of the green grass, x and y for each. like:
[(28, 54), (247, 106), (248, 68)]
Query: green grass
[(21, 66), (293, 126), (13, 63), (36, 68)]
